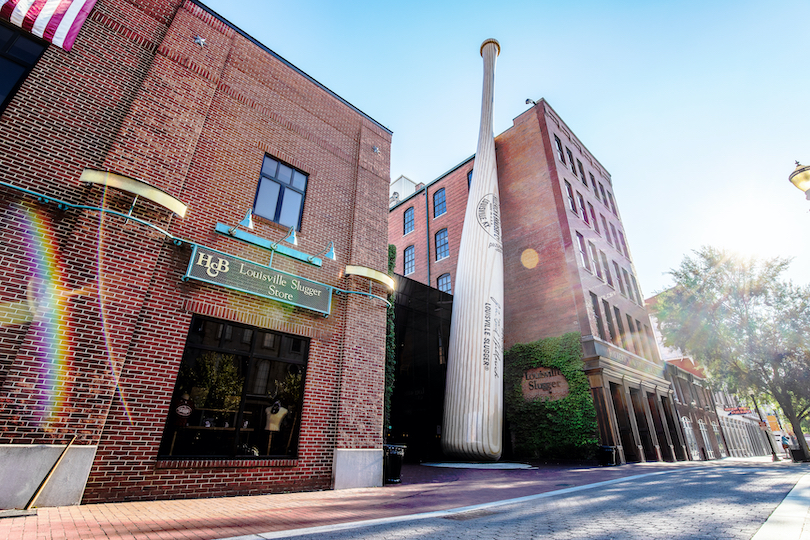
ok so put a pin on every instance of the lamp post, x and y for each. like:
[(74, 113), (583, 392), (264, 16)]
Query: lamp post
[(801, 178)]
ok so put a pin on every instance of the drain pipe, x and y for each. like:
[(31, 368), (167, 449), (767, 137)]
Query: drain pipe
[(48, 476), (427, 231)]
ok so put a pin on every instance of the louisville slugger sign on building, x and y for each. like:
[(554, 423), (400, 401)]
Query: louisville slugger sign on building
[(238, 274)]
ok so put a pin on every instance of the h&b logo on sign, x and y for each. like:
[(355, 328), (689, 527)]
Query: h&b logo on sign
[(213, 268)]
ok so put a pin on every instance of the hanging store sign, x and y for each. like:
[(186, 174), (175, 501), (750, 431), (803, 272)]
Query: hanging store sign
[(225, 270), (737, 410)]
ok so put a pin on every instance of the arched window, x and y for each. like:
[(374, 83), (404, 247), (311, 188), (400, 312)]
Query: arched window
[(691, 440), (408, 260), (719, 439), (443, 283), (704, 432), (408, 221), (442, 245), (439, 203)]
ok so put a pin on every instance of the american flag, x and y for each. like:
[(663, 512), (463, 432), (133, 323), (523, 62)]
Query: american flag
[(55, 21)]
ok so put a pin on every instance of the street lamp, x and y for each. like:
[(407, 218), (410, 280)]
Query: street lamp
[(801, 178)]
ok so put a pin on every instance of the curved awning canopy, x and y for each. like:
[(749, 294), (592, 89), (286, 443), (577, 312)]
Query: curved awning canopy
[(136, 187)]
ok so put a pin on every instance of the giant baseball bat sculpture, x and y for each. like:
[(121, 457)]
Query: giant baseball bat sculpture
[(473, 401)]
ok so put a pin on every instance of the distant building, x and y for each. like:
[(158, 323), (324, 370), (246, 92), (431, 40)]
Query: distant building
[(400, 189), (696, 411), (191, 350), (567, 268), (715, 424)]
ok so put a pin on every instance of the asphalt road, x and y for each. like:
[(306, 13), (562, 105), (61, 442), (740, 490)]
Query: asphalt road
[(727, 502)]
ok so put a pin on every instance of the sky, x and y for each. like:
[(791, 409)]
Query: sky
[(698, 110)]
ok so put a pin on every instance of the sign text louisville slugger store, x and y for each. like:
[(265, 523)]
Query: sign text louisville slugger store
[(193, 240)]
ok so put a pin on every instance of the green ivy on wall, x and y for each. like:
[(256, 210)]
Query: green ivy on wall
[(542, 429), (390, 345)]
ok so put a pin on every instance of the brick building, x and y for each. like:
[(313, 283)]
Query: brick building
[(567, 268), (189, 354)]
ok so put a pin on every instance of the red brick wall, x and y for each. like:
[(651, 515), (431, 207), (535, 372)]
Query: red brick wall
[(195, 122), (546, 289)]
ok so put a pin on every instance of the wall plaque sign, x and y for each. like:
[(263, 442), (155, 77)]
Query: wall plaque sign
[(232, 272), (544, 383)]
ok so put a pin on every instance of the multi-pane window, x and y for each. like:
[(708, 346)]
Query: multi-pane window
[(583, 252), (439, 203), (407, 221), (19, 53), (598, 317), (609, 319), (593, 217), (606, 268), (627, 282), (643, 340), (623, 245), (443, 283), (612, 204), (571, 202), (408, 259), (615, 237), (635, 289), (595, 190), (239, 393), (469, 178), (622, 335), (595, 260), (559, 148), (691, 440), (634, 335), (281, 192), (604, 195), (719, 439), (619, 278), (582, 173), (582, 208), (650, 341), (607, 231), (442, 245), (571, 160)]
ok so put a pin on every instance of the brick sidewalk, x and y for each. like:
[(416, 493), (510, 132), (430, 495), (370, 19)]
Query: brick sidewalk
[(424, 489)]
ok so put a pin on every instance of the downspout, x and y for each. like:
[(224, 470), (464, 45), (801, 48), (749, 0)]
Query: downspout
[(427, 232)]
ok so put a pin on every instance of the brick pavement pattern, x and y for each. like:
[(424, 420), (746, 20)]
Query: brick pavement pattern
[(424, 489), (712, 503)]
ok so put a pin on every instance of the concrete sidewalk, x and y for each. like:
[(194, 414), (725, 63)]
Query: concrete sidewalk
[(424, 489)]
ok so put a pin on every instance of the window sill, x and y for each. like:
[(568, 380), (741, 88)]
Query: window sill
[(187, 463)]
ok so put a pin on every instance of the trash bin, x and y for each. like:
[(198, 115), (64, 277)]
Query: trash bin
[(392, 462), (606, 456), (797, 454)]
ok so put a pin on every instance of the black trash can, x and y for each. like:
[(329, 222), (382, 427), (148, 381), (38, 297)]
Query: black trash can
[(797, 455), (606, 456), (392, 462)]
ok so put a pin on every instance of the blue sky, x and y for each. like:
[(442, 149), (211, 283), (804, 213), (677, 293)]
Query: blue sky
[(697, 109)]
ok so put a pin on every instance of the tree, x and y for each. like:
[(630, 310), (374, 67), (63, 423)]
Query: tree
[(750, 329)]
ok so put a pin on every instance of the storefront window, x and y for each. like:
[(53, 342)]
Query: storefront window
[(239, 393)]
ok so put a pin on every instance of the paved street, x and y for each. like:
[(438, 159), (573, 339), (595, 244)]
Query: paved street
[(729, 502), (730, 498)]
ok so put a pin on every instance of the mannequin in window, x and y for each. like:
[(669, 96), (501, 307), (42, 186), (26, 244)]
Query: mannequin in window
[(275, 414)]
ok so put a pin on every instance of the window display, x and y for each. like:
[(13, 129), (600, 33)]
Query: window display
[(239, 393)]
